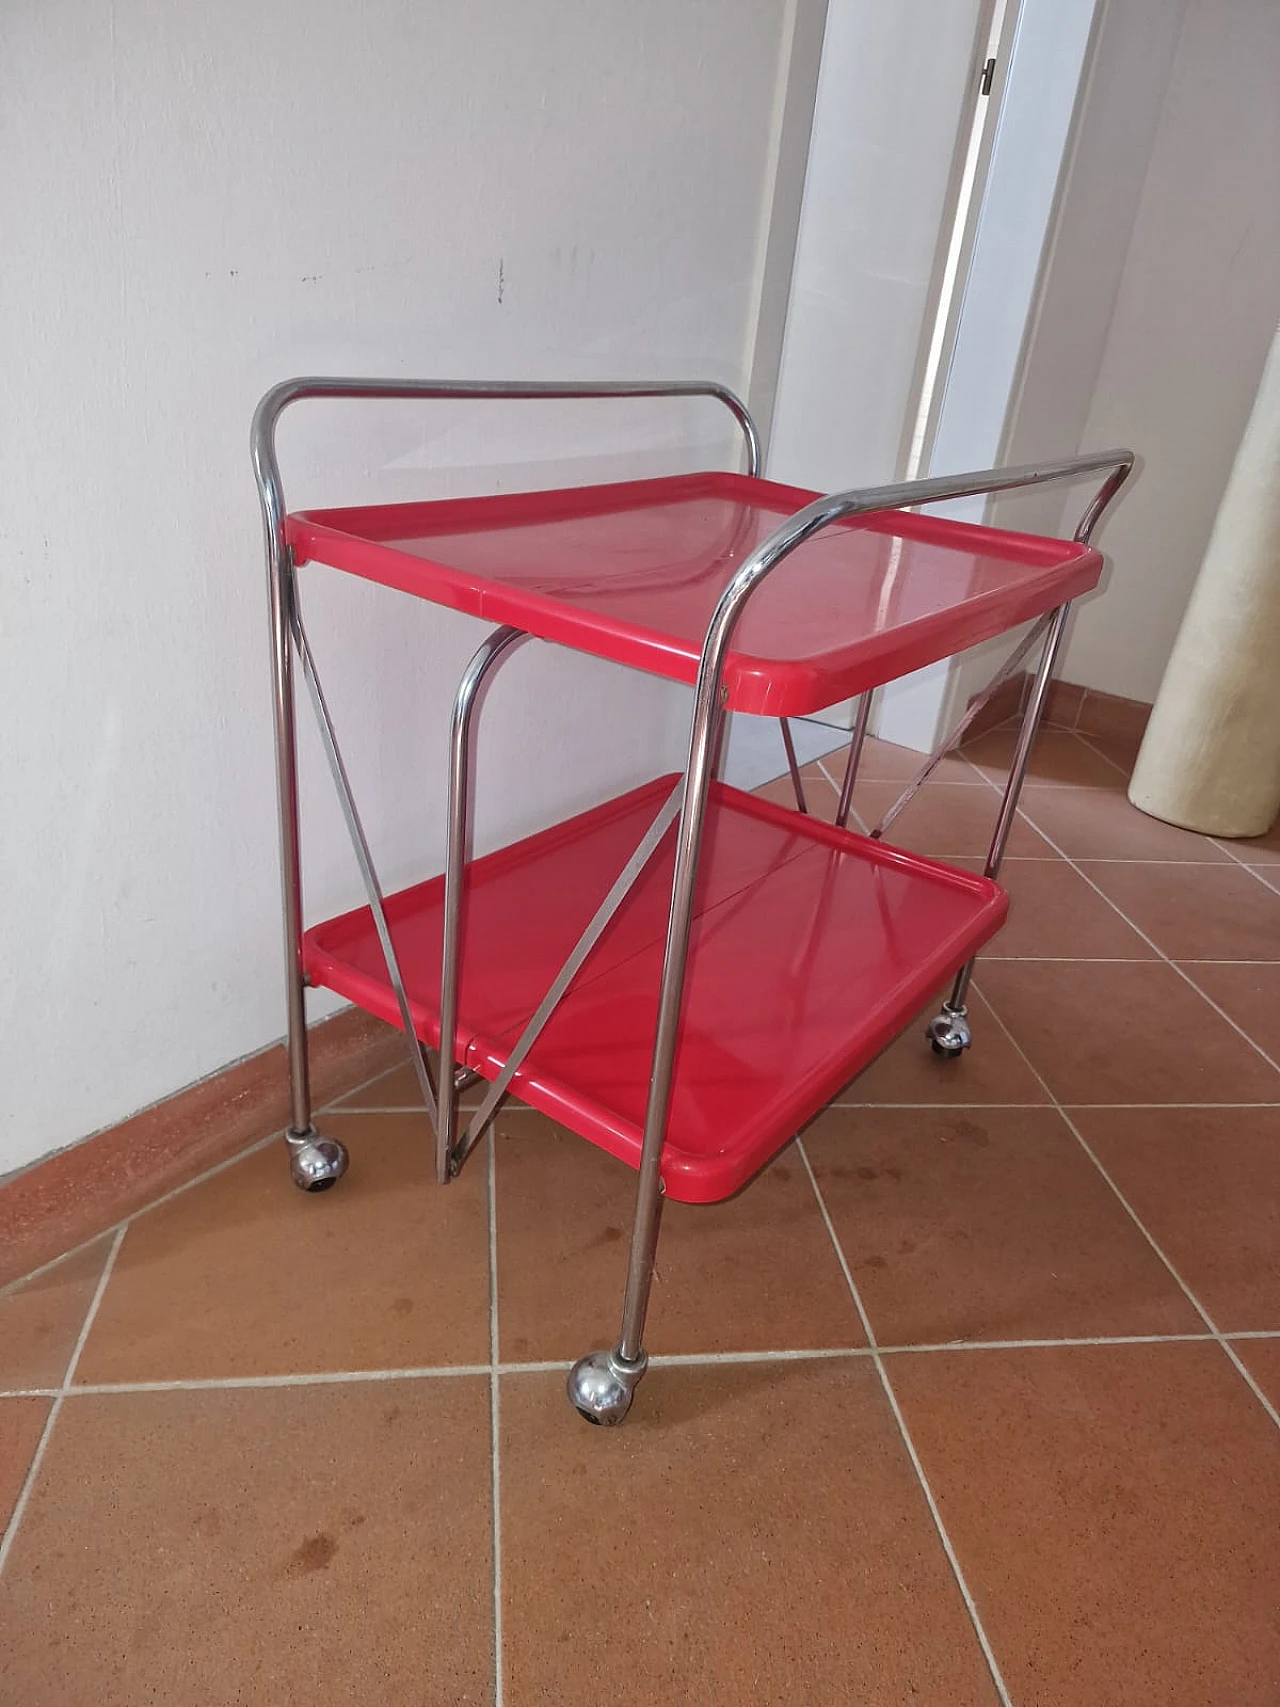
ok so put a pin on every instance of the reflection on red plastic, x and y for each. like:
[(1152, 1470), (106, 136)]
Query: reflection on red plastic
[(812, 947), (632, 573)]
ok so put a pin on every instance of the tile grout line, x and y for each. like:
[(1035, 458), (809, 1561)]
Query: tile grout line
[(950, 1107), (857, 817), (899, 782), (1207, 960), (156, 1203), (494, 1420), (1256, 871), (16, 1285), (197, 1179), (941, 1107), (819, 1353), (953, 1560), (1092, 859), (211, 1172), (46, 1434), (822, 766), (331, 1107), (1167, 959), (208, 1174), (1232, 1355), (494, 1368), (1109, 960), (1232, 861), (305, 1378), (417, 1108), (1220, 842), (1089, 859), (1109, 859), (1215, 1332), (1105, 757), (659, 1360)]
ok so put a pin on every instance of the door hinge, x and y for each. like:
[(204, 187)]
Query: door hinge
[(988, 77)]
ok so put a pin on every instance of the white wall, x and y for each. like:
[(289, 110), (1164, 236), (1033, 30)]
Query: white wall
[(198, 200), (1194, 317), (1099, 195), (1047, 58), (890, 93), (1046, 61), (1158, 305), (794, 115)]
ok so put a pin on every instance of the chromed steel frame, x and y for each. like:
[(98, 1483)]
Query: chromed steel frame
[(949, 1030), (499, 645), (857, 741), (601, 1385), (317, 1161), (793, 766), (1026, 645)]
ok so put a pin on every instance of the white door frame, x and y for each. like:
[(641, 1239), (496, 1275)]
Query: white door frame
[(1013, 133), (963, 415)]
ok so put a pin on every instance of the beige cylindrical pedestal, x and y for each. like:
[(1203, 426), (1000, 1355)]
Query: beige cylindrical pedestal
[(1211, 757)]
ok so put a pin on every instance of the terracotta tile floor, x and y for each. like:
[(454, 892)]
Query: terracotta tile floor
[(970, 1398)]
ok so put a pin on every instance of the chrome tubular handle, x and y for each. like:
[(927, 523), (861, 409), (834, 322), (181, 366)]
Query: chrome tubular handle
[(870, 500), (277, 400), (1101, 500)]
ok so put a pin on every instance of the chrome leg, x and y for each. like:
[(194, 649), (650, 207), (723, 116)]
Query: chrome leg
[(797, 782), (948, 1032), (364, 858), (856, 745), (720, 758), (498, 646), (1013, 662), (602, 1384), (315, 1162)]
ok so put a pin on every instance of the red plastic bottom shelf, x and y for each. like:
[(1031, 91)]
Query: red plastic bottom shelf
[(812, 947)]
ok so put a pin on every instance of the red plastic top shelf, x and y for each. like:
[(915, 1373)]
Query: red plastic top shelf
[(632, 573)]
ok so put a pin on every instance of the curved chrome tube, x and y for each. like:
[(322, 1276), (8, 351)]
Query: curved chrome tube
[(266, 468), (906, 495), (497, 646), (707, 706), (277, 400), (1101, 499)]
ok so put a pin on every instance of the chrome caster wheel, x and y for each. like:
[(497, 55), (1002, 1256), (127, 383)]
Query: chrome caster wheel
[(949, 1035), (601, 1386), (315, 1163)]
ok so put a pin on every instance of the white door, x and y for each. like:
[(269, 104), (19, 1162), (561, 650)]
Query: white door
[(939, 131)]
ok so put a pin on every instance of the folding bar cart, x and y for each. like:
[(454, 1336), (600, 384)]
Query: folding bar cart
[(686, 974)]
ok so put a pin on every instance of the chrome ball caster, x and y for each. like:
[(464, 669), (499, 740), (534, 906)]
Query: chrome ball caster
[(315, 1163), (601, 1386), (949, 1035)]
